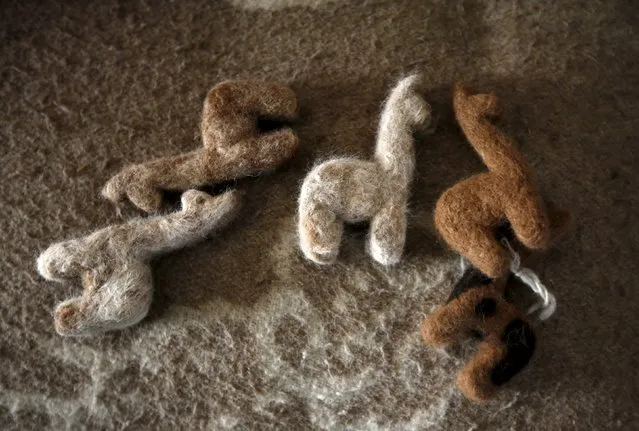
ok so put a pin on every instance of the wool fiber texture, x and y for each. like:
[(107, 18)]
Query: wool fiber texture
[(483, 311), (352, 190), (507, 341), (233, 145), (244, 332), (113, 263)]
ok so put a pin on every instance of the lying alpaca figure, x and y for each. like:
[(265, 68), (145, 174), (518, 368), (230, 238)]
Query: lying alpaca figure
[(113, 263), (479, 307), (352, 190), (234, 147)]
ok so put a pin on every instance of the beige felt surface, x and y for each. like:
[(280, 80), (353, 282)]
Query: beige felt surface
[(244, 333)]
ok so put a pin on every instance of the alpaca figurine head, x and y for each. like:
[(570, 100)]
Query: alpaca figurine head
[(58, 261)]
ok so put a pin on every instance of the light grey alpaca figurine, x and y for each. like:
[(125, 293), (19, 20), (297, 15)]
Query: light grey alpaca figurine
[(353, 190), (113, 263)]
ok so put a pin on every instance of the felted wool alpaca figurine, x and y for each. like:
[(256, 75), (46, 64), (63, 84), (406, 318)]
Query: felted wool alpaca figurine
[(233, 148), (467, 214), (470, 217), (477, 307), (352, 190), (113, 263)]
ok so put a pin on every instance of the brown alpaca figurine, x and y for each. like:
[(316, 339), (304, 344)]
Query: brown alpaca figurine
[(466, 214), (233, 148), (468, 217)]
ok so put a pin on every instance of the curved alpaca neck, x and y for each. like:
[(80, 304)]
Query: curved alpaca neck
[(494, 147), (394, 151), (162, 234)]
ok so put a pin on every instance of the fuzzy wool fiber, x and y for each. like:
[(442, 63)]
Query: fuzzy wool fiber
[(352, 190), (243, 331), (467, 214)]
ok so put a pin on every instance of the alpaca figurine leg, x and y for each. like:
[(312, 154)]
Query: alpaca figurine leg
[(448, 323), (142, 193), (62, 260), (388, 234), (122, 301), (478, 244), (530, 222), (320, 235), (502, 355), (474, 379)]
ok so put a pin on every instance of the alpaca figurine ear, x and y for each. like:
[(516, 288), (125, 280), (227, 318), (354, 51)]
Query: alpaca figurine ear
[(114, 262), (351, 190), (234, 147)]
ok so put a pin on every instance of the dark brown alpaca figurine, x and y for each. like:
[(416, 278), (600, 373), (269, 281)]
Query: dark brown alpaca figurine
[(468, 216)]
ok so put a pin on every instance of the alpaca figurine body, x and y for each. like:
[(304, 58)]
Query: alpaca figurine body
[(113, 263), (233, 145), (353, 190)]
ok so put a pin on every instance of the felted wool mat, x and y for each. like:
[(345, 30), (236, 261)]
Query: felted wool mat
[(244, 333)]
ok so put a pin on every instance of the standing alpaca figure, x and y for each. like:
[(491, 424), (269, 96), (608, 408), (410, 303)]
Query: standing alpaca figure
[(468, 213), (352, 190), (234, 147), (113, 263)]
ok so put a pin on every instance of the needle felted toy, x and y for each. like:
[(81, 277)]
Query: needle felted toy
[(113, 263), (352, 190), (469, 216), (233, 145)]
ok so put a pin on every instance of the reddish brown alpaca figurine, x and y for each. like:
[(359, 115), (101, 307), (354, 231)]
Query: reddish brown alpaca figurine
[(468, 216), (234, 147)]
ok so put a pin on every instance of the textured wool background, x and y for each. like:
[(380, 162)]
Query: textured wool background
[(244, 333)]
